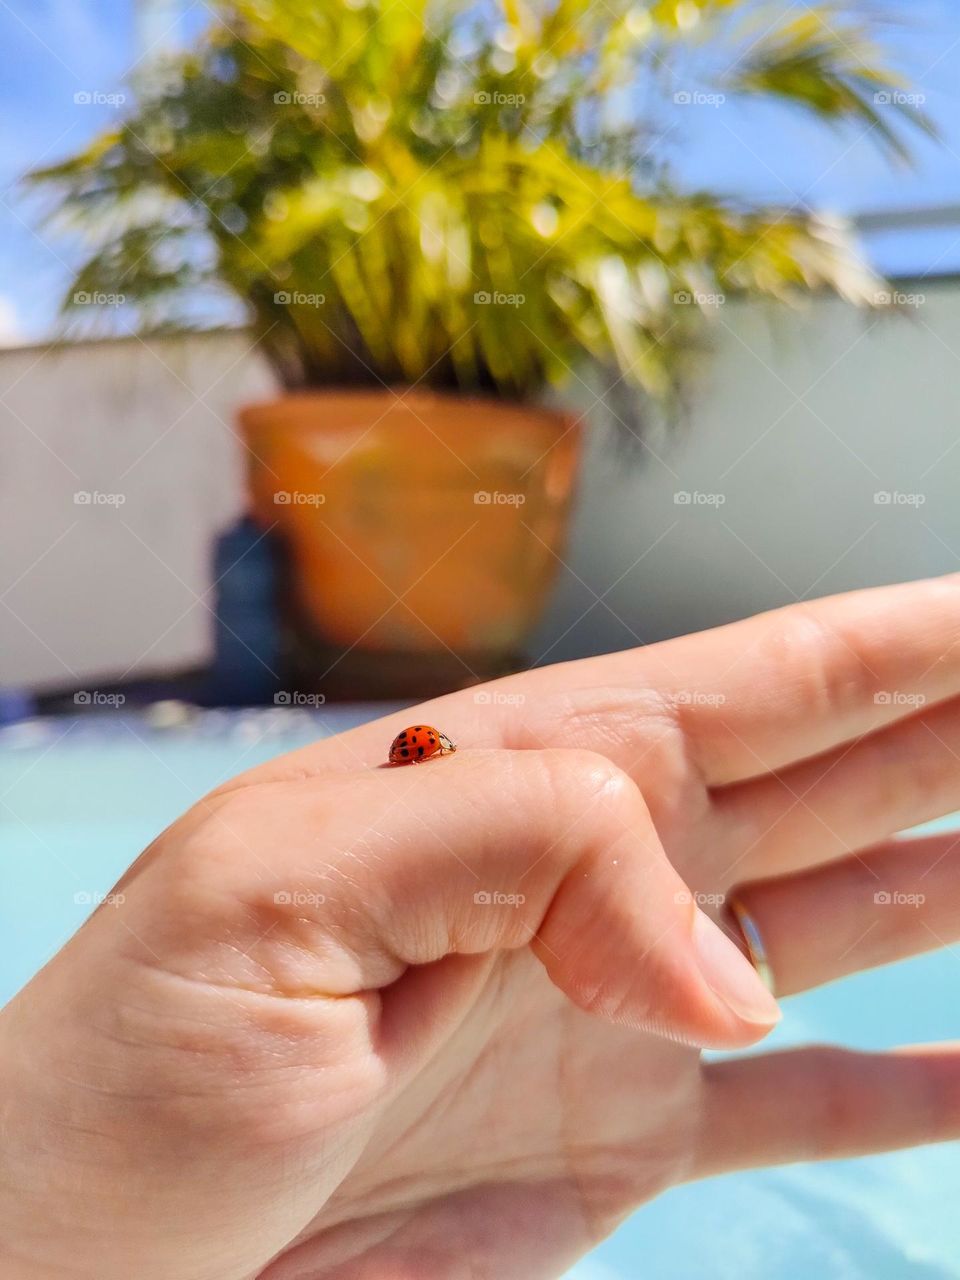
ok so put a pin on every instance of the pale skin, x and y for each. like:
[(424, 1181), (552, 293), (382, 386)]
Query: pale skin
[(302, 1048)]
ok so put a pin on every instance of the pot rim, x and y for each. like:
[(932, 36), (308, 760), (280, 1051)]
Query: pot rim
[(261, 412)]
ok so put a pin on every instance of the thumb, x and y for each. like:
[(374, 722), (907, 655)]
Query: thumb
[(497, 850)]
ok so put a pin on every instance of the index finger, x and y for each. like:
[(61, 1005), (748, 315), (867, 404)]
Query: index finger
[(757, 695), (748, 698)]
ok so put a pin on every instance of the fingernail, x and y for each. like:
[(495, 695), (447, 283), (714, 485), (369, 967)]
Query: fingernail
[(730, 975)]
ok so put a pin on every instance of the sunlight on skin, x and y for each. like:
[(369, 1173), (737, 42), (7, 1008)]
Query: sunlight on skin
[(353, 1022)]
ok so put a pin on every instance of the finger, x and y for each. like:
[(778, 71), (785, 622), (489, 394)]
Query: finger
[(749, 697), (888, 781), (826, 1103), (896, 900), (484, 852), (763, 693)]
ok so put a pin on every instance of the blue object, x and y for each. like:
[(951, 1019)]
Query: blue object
[(246, 663), (16, 704)]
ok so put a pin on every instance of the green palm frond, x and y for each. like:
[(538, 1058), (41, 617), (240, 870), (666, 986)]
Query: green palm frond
[(410, 191), (831, 67)]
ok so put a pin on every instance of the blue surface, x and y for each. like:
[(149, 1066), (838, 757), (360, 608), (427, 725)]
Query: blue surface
[(80, 799)]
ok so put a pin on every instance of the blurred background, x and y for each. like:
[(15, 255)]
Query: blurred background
[(352, 353)]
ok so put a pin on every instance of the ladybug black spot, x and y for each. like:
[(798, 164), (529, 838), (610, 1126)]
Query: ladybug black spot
[(418, 727), (404, 751), (419, 751), (402, 736)]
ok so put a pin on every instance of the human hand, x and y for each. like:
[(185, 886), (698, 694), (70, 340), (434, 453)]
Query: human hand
[(301, 1049)]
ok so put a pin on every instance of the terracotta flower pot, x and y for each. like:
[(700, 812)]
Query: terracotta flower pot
[(417, 523)]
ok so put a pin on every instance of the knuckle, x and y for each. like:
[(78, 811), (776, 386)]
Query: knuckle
[(581, 779), (591, 773), (834, 674)]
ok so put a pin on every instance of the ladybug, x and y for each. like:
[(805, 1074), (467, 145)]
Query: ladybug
[(418, 743)]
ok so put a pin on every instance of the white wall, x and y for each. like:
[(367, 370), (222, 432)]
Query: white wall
[(801, 418), (800, 421), (100, 590)]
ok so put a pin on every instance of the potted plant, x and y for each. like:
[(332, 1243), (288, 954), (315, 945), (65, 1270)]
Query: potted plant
[(431, 214)]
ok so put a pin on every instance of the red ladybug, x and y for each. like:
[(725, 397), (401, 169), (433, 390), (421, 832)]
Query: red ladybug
[(419, 743)]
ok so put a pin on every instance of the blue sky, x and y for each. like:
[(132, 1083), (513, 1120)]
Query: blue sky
[(57, 48)]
